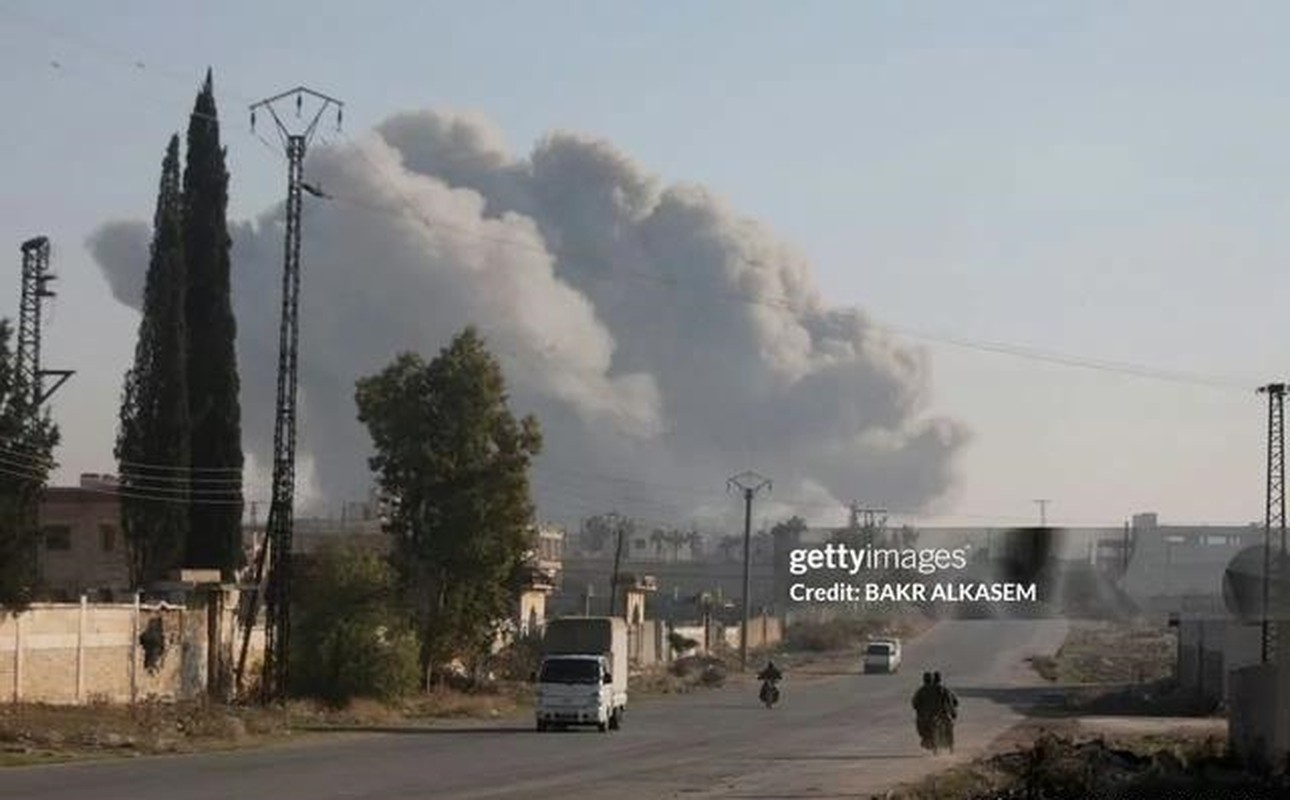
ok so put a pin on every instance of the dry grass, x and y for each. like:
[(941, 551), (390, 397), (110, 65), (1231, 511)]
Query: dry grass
[(497, 701), (32, 733), (42, 734), (1112, 652)]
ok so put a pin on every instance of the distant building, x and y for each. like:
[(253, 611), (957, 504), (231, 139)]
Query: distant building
[(541, 575), (81, 548), (1169, 562)]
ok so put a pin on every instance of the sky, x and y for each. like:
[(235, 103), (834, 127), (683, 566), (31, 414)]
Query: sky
[(1099, 180)]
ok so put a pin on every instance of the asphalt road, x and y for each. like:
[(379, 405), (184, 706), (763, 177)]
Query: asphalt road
[(835, 734)]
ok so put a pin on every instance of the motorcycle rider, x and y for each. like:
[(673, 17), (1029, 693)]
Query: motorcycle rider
[(770, 673), (949, 702), (769, 677), (926, 702), (946, 705)]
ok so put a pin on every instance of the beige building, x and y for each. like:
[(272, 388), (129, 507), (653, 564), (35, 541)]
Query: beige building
[(81, 548)]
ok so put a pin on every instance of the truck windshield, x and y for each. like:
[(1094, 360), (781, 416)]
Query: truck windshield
[(570, 670), (880, 650)]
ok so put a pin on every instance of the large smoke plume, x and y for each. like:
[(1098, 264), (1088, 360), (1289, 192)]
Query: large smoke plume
[(664, 342)]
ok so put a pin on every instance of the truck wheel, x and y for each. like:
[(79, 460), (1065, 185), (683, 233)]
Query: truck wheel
[(616, 720), (603, 726)]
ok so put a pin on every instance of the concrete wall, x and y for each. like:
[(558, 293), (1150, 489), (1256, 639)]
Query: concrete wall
[(67, 653), (1209, 650), (763, 631), (1259, 711)]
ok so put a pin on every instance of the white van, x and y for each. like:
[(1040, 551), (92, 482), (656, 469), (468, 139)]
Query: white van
[(882, 655)]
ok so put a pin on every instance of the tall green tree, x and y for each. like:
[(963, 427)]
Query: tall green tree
[(27, 442), (455, 461), (152, 440), (215, 528)]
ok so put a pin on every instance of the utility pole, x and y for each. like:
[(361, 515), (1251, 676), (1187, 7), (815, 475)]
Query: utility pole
[(1124, 555), (620, 527), (1275, 515), (749, 483), (35, 280), (1043, 512), (295, 140)]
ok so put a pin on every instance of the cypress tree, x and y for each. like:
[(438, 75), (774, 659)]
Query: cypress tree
[(215, 528), (152, 442)]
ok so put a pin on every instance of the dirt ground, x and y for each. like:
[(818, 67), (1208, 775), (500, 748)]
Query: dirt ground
[(1103, 757)]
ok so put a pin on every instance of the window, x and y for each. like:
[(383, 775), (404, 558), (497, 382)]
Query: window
[(58, 537), (107, 537), (570, 671)]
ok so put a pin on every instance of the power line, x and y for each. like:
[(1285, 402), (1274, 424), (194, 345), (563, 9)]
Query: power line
[(119, 491), (38, 458), (999, 348), (576, 489)]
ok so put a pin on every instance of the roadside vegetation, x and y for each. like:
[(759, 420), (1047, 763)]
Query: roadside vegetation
[(1141, 767), (38, 734), (1137, 651), (1128, 668)]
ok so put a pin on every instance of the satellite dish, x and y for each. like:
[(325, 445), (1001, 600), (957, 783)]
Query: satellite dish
[(1243, 585)]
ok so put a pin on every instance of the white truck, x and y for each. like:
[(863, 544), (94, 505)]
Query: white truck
[(583, 678)]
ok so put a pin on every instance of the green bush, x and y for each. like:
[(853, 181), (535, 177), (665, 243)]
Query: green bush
[(348, 639)]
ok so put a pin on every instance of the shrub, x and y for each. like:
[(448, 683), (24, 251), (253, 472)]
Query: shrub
[(349, 640)]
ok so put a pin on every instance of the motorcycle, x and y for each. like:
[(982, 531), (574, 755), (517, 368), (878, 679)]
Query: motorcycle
[(942, 734), (769, 693)]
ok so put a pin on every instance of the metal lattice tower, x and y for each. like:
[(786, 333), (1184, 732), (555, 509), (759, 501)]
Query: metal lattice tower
[(276, 552), (1275, 518), (35, 288)]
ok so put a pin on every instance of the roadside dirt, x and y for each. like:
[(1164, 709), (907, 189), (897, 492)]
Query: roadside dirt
[(1100, 757)]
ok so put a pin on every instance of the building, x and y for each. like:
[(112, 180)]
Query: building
[(543, 566), (81, 549), (1168, 563)]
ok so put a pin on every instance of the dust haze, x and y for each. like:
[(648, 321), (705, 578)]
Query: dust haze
[(664, 342)]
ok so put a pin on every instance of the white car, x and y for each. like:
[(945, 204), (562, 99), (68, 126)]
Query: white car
[(882, 655)]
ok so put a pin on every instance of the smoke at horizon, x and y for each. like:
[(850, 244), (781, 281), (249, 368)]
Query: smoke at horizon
[(618, 307)]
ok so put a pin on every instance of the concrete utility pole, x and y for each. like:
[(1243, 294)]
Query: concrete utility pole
[(295, 140), (1275, 514), (620, 528), (1043, 512), (749, 483)]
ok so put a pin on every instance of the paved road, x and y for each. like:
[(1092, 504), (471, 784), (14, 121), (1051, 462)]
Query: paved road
[(834, 735)]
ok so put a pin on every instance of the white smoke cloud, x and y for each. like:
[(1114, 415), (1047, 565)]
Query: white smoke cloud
[(622, 312)]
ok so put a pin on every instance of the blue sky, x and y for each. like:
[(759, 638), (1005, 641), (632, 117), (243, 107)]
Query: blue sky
[(1100, 179)]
